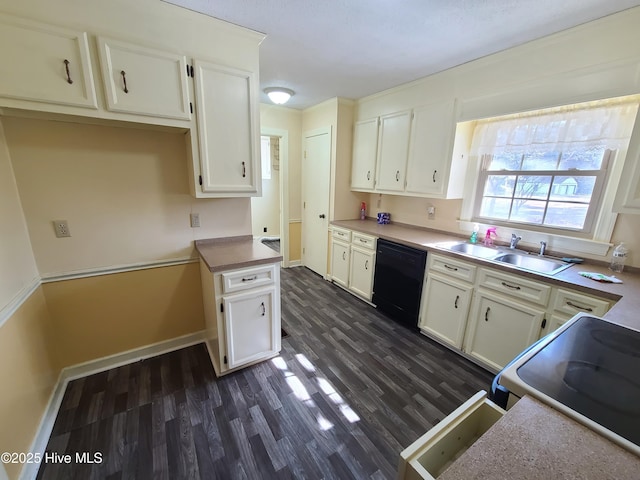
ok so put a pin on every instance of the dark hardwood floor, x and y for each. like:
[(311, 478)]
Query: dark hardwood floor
[(350, 390)]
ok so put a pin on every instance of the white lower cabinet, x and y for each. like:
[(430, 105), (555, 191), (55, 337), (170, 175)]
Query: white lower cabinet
[(499, 328), (353, 259), (445, 309), (242, 315)]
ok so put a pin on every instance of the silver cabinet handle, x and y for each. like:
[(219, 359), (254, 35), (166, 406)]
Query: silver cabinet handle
[(366, 264), (586, 309), (486, 314), (249, 279), (264, 309), (514, 287), (244, 170), (455, 304), (124, 80), (434, 175), (397, 175), (368, 174), (448, 267), (362, 240), (344, 255), (66, 67)]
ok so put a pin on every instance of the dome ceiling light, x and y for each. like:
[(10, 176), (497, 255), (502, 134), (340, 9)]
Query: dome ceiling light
[(279, 95)]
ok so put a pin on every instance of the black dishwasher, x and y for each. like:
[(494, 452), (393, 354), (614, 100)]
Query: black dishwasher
[(397, 284)]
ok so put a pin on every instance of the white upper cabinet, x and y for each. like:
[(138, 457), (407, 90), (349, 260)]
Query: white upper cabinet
[(430, 168), (228, 131), (42, 63), (393, 148), (365, 149), (144, 81)]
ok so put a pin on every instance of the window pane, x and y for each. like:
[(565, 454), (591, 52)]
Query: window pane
[(533, 186), (530, 211), (582, 160), (566, 215), (574, 189), (505, 161), (497, 208), (540, 161), (499, 185)]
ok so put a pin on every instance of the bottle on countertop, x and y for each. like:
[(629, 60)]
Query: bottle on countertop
[(474, 235), (618, 258), (363, 211), (488, 241)]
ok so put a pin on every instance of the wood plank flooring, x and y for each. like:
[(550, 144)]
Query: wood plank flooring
[(350, 390)]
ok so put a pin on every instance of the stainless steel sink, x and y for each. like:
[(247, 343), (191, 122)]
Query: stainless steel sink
[(515, 258), (533, 263), (474, 250)]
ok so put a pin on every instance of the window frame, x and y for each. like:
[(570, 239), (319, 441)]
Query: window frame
[(593, 210)]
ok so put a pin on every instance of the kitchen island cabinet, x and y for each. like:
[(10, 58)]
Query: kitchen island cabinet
[(241, 292)]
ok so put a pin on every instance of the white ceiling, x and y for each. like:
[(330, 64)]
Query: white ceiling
[(353, 48)]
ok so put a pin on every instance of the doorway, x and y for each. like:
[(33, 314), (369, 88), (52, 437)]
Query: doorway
[(316, 171), (270, 212)]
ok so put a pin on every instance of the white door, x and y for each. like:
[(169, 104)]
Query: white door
[(316, 171)]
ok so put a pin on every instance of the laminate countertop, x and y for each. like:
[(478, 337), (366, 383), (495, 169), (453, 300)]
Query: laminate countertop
[(533, 441), (626, 295), (229, 253)]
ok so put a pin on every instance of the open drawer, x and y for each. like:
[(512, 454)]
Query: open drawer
[(433, 452)]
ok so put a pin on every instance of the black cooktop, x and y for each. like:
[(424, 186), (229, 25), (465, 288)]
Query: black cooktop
[(592, 367)]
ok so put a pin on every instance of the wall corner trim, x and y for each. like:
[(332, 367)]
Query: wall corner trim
[(17, 301), (98, 365)]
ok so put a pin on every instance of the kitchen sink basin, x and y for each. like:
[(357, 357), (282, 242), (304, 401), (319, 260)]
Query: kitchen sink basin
[(474, 250), (513, 257), (533, 263)]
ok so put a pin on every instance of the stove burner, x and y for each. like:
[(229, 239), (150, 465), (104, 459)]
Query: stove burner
[(620, 342), (601, 385)]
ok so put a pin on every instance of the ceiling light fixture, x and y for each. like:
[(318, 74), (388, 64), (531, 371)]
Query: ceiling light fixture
[(278, 95)]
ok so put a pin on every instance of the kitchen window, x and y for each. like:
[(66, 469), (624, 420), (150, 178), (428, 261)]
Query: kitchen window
[(547, 170)]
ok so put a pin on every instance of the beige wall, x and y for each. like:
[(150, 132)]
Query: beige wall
[(107, 314), (123, 191), (295, 241), (265, 210), (17, 265), (29, 369), (596, 60)]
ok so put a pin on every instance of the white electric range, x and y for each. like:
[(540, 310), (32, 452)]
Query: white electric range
[(589, 369)]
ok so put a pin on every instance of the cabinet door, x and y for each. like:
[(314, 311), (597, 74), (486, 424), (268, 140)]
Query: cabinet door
[(252, 326), (429, 163), (361, 272), (393, 148), (144, 81), (499, 329), (340, 259), (445, 308), (42, 63), (228, 132), (365, 148)]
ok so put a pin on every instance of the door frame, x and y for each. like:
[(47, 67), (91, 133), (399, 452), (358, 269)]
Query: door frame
[(328, 130), (283, 135)]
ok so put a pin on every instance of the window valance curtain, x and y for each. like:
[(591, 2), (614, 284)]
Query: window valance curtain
[(571, 129)]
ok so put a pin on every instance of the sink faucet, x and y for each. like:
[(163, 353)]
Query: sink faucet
[(514, 240), (543, 247)]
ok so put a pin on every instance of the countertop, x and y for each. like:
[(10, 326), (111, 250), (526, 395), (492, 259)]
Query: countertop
[(626, 295), (514, 448), (230, 253)]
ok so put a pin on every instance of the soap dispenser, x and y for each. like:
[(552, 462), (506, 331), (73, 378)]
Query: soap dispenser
[(488, 241), (474, 235)]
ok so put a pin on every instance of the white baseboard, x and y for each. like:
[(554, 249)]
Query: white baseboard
[(39, 444), (295, 263)]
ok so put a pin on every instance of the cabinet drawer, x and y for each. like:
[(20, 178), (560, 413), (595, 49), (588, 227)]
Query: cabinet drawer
[(453, 268), (246, 278), (364, 241), (514, 286), (572, 302), (342, 234)]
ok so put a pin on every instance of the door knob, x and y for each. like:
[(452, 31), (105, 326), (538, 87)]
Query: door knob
[(321, 215)]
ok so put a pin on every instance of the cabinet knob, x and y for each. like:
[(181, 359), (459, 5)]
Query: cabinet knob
[(66, 67), (322, 215)]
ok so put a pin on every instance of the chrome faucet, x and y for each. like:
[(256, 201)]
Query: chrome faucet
[(543, 247), (514, 240)]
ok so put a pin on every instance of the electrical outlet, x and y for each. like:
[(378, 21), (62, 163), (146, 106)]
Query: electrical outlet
[(195, 220), (62, 228), (431, 212), (265, 229)]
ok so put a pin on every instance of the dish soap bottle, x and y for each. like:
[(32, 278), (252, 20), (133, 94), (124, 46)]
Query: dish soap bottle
[(474, 235), (488, 241), (618, 257)]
